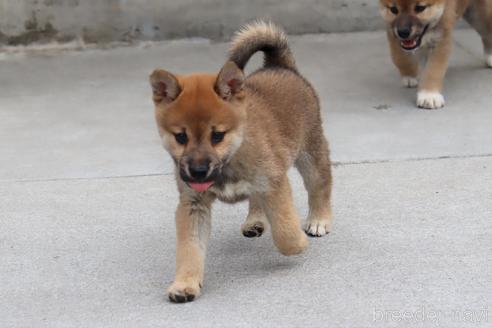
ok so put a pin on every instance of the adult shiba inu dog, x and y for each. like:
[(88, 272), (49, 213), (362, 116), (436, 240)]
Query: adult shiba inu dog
[(234, 138), (424, 27)]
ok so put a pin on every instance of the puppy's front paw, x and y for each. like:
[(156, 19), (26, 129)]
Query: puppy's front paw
[(409, 82), (252, 229), (181, 292), (430, 99), (317, 228)]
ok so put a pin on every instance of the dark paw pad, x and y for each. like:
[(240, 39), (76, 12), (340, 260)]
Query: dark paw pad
[(315, 235), (178, 298), (254, 231)]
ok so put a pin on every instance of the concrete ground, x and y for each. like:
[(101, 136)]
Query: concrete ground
[(87, 197)]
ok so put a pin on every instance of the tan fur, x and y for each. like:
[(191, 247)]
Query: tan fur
[(272, 122), (436, 22), (266, 36)]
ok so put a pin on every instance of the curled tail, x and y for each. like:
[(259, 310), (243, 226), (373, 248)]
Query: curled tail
[(262, 36)]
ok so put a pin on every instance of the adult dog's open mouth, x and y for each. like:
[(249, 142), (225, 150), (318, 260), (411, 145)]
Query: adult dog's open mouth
[(414, 43)]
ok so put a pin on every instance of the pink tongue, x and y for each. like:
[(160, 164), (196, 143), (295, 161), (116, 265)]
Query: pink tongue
[(200, 187), (409, 43)]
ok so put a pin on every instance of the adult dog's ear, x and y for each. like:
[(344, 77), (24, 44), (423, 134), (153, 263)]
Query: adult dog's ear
[(165, 86), (229, 81)]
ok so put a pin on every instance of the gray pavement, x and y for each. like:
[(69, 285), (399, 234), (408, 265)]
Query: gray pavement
[(87, 197)]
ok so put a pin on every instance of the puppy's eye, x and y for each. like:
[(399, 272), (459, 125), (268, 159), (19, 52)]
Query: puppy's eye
[(181, 138), (217, 137), (394, 10), (420, 8)]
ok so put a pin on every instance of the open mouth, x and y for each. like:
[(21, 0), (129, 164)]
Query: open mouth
[(200, 186), (201, 181), (412, 44)]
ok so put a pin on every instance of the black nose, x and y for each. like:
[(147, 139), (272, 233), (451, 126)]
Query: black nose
[(404, 32), (198, 171)]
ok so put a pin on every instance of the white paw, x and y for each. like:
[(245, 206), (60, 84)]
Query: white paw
[(488, 60), (409, 82), (430, 99), (317, 228)]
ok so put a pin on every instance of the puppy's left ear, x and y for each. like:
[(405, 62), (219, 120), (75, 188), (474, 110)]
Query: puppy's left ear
[(229, 81)]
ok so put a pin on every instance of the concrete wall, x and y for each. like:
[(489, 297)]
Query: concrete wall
[(26, 21)]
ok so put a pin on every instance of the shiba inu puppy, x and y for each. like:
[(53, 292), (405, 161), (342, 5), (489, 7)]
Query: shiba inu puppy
[(233, 138), (423, 28)]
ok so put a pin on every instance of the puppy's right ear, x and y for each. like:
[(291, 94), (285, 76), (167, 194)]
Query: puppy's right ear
[(165, 86), (229, 81)]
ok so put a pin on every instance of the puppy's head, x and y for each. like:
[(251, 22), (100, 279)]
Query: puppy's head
[(409, 20), (201, 121)]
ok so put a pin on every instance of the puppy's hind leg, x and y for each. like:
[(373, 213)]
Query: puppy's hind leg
[(284, 221), (315, 168), (256, 222), (479, 15), (488, 50), (487, 41)]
